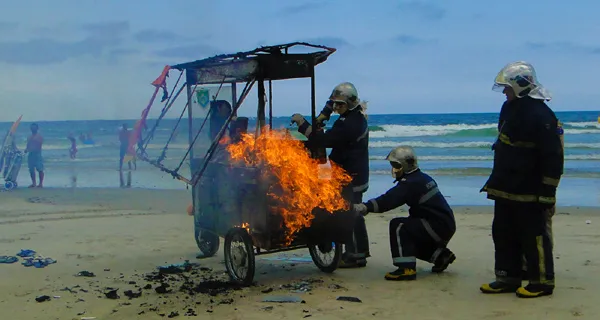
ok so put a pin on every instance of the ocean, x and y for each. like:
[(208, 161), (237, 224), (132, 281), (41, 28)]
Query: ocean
[(454, 148)]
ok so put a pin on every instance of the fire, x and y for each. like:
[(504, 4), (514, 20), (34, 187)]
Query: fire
[(246, 226), (300, 188)]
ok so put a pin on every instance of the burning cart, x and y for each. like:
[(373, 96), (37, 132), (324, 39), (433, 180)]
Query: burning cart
[(234, 197)]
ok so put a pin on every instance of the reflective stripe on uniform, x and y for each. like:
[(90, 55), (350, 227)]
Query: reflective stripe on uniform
[(404, 260), (363, 135), (548, 200), (510, 196), (550, 181), (519, 144), (361, 188), (435, 255), (432, 233), (398, 239), (428, 195)]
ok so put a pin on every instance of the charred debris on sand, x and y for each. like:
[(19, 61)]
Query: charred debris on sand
[(197, 286)]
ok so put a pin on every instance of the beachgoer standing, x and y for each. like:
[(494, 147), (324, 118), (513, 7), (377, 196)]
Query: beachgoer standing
[(348, 139), (124, 134), (73, 149), (34, 157), (528, 165)]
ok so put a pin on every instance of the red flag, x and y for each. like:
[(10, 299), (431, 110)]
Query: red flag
[(134, 137)]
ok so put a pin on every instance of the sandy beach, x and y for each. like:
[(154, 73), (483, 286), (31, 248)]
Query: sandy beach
[(123, 235)]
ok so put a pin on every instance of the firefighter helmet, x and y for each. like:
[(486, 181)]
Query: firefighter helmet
[(345, 93), (403, 160), (522, 78)]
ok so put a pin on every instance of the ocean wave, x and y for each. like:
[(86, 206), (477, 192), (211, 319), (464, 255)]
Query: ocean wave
[(487, 171), (395, 130), (482, 130), (466, 144), (424, 144), (487, 158), (589, 124)]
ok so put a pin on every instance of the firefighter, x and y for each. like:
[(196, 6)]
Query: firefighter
[(528, 165), (425, 233), (348, 139), (552, 211)]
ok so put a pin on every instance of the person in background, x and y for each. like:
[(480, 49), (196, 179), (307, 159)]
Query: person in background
[(528, 165), (348, 139), (34, 156), (124, 134), (73, 149), (430, 224)]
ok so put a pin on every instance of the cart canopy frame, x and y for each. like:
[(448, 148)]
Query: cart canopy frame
[(266, 63)]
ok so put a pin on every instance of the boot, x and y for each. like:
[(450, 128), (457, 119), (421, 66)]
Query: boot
[(402, 274), (347, 262), (443, 261), (352, 263), (535, 290), (499, 287)]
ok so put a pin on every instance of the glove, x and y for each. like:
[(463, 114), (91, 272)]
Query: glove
[(360, 208), (298, 119)]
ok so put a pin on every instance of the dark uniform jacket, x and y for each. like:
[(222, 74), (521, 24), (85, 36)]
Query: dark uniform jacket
[(425, 201), (528, 154), (348, 139)]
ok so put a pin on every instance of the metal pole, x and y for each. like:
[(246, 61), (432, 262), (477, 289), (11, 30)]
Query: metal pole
[(190, 114), (270, 105), (234, 98), (313, 103), (261, 106)]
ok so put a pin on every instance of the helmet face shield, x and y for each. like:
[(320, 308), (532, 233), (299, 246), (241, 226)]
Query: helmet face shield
[(499, 87), (403, 161), (397, 170)]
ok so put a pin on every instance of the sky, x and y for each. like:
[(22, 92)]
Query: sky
[(92, 59)]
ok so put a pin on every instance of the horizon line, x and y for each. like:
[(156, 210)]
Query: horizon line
[(252, 117)]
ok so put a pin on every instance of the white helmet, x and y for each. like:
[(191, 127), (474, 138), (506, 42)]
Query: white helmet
[(345, 93), (521, 77), (403, 160)]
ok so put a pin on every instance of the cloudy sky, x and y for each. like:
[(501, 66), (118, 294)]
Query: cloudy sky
[(84, 59)]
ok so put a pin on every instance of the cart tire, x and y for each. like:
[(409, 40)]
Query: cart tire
[(208, 242), (316, 251), (246, 259), (9, 185)]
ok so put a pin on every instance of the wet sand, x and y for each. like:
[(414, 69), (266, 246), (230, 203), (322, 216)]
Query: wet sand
[(122, 235)]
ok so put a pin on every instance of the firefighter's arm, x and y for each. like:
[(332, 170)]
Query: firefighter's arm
[(339, 133), (551, 159), (325, 114), (392, 199)]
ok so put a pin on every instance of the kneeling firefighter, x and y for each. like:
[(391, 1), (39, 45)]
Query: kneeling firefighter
[(425, 233), (528, 165), (348, 139)]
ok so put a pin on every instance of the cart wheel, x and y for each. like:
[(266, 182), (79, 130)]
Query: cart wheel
[(327, 256), (239, 256), (208, 242), (9, 185)]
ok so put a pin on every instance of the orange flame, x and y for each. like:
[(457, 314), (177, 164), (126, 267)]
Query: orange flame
[(299, 189), (246, 226)]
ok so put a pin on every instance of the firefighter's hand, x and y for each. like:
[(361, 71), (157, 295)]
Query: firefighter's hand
[(298, 119), (360, 209)]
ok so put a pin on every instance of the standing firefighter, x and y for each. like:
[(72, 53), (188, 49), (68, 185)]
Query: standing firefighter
[(528, 164), (348, 139), (425, 233)]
